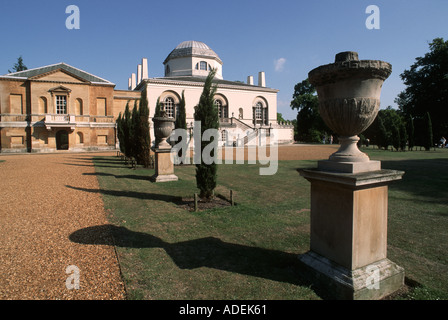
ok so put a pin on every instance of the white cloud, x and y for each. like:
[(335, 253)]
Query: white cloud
[(279, 64)]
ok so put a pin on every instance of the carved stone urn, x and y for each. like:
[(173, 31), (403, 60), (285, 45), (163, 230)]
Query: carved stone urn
[(349, 100), (163, 127)]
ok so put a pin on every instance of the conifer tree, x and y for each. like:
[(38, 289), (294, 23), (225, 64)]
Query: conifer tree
[(410, 131), (181, 123), (143, 137), (135, 132), (127, 131), (120, 137), (207, 113), (428, 142)]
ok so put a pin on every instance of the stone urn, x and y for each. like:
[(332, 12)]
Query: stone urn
[(349, 100), (163, 127)]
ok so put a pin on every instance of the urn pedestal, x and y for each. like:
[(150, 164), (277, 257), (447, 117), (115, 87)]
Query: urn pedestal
[(164, 166), (349, 192)]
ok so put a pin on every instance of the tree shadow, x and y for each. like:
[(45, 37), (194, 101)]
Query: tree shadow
[(208, 252), (127, 176), (132, 194)]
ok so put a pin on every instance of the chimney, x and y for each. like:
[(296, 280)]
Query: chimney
[(133, 85), (144, 68), (129, 84), (139, 73), (261, 79), (250, 80)]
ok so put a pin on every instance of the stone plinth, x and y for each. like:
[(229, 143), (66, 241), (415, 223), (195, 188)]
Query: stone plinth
[(348, 248), (164, 166)]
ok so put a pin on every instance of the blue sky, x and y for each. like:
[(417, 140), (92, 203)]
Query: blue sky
[(248, 35)]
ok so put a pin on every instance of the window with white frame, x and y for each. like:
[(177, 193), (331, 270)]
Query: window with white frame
[(61, 104), (258, 110), (169, 107), (223, 111), (224, 135)]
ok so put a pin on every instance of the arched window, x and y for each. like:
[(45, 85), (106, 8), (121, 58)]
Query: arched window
[(169, 107), (240, 113), (258, 111), (223, 110)]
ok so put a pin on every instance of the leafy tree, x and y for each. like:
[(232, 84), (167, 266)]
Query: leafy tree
[(427, 88), (310, 126), (207, 113), (280, 118), (18, 66)]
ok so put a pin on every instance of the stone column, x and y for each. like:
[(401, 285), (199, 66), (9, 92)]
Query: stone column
[(349, 192)]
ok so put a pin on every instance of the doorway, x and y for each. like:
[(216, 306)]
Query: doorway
[(62, 140)]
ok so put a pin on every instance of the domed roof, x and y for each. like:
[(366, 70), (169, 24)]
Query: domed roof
[(192, 48)]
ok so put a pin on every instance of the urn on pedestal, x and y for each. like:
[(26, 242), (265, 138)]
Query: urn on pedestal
[(164, 166), (349, 100)]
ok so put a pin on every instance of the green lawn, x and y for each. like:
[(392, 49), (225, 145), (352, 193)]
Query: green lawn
[(249, 251)]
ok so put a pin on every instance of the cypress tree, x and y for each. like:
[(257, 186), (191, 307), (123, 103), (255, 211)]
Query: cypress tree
[(120, 136), (144, 137), (127, 131), (158, 110), (382, 134), (403, 136), (410, 132), (181, 122), (207, 113), (135, 133), (428, 142)]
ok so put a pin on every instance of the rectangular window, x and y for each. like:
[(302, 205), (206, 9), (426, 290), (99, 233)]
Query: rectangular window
[(101, 107), (16, 104), (61, 104)]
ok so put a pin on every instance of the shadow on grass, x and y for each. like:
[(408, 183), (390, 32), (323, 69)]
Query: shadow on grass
[(426, 179), (208, 252), (116, 176), (132, 194)]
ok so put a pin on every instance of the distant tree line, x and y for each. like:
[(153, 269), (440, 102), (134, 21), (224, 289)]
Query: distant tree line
[(420, 120)]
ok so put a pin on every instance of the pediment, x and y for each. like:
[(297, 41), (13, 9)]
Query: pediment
[(60, 89), (59, 75)]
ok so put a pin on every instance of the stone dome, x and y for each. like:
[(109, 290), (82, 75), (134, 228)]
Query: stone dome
[(193, 48)]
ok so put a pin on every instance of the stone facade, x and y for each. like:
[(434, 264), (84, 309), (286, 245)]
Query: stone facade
[(60, 107)]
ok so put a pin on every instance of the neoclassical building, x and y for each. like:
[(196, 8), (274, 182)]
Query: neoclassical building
[(60, 107)]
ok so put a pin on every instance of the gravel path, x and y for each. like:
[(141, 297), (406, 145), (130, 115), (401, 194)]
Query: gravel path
[(38, 212), (42, 204)]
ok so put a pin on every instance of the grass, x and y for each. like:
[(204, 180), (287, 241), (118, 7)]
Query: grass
[(249, 251)]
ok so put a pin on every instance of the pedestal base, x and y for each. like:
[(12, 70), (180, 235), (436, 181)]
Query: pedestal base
[(372, 282), (348, 241), (164, 166), (164, 178)]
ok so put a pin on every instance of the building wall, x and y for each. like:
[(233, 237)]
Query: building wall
[(28, 120)]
